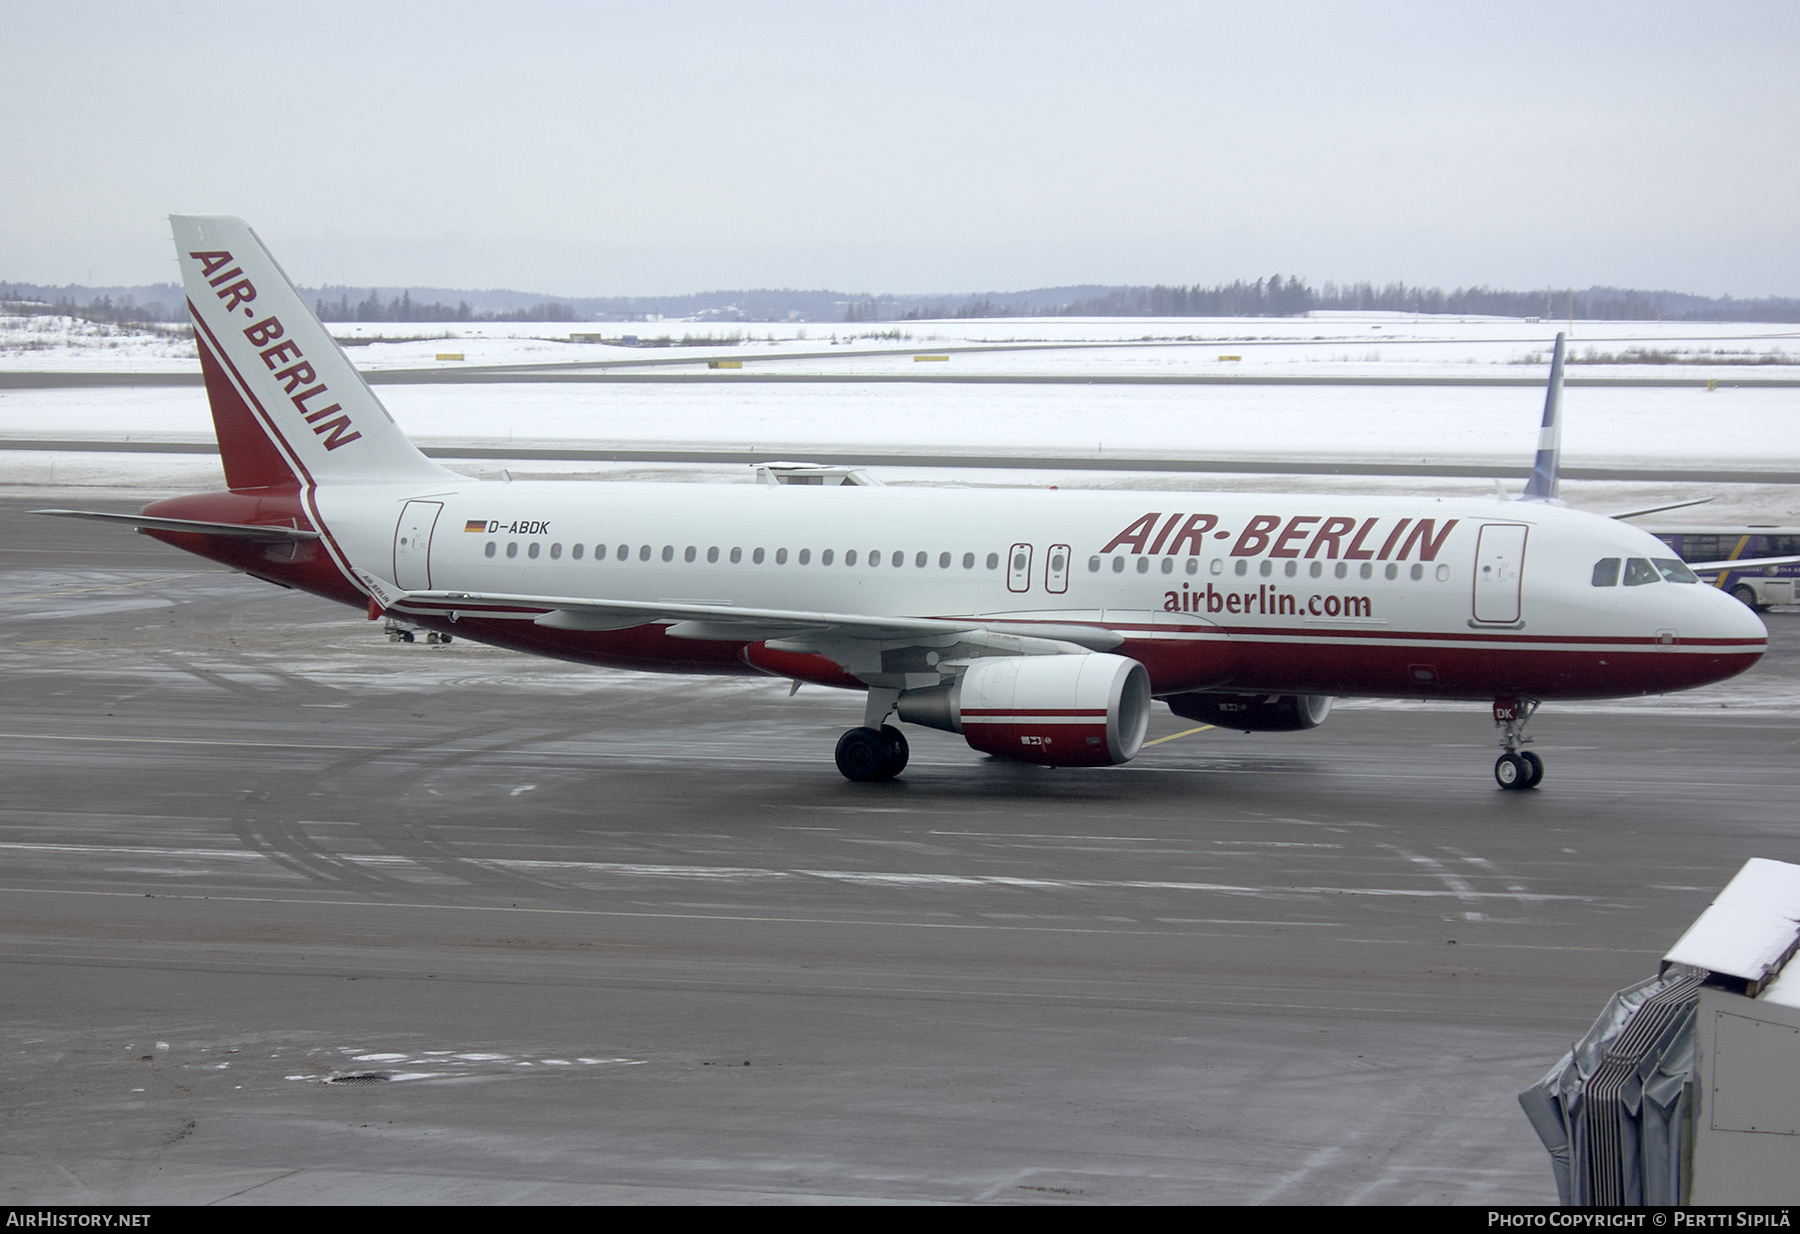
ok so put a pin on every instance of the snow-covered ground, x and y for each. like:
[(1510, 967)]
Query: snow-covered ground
[(1334, 345), (1479, 427), (1485, 426)]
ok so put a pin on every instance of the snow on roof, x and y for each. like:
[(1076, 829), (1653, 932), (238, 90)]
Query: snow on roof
[(1751, 927)]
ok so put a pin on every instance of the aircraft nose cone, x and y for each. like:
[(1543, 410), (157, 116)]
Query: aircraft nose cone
[(1736, 635), (1730, 618)]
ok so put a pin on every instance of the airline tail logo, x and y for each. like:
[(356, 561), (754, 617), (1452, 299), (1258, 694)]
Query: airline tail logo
[(310, 397)]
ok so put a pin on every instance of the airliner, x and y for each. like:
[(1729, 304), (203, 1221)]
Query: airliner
[(1039, 626)]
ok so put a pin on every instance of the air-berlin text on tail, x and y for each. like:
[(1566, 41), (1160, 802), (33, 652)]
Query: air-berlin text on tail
[(298, 379), (1304, 535)]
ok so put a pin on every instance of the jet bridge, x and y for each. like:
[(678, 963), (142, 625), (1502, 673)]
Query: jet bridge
[(1687, 1088)]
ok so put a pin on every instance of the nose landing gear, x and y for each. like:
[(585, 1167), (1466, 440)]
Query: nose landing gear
[(1518, 769)]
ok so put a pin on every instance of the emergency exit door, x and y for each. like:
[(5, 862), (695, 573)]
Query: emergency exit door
[(412, 544), (1499, 572), (1018, 568)]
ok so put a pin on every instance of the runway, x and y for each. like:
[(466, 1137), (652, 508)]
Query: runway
[(290, 913)]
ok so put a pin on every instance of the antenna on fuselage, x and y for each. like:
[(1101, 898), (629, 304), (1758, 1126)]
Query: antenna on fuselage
[(1542, 485)]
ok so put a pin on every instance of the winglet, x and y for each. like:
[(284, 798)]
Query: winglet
[(1542, 485)]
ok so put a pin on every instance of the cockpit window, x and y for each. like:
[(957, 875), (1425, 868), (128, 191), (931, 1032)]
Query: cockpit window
[(1675, 571), (1606, 572), (1638, 572)]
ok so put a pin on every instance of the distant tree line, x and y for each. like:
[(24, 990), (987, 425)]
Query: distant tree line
[(123, 311), (1276, 297), (404, 308)]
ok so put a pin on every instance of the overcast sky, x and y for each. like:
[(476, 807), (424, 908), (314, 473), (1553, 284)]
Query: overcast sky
[(597, 149)]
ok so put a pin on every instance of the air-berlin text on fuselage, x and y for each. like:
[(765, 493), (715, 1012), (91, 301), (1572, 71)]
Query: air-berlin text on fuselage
[(1267, 600), (1304, 535), (331, 422)]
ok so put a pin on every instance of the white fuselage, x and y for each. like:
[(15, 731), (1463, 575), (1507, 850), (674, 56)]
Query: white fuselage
[(1308, 592)]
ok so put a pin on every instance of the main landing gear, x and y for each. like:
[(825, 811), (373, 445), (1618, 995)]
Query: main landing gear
[(1520, 769), (865, 754), (874, 751)]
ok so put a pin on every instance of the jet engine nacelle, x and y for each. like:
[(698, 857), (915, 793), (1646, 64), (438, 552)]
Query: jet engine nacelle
[(1254, 713), (1061, 711)]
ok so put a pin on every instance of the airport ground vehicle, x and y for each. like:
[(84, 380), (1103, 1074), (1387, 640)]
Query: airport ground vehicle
[(1758, 565), (1037, 625)]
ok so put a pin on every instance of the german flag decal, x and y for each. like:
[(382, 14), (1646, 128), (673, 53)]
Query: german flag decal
[(475, 524)]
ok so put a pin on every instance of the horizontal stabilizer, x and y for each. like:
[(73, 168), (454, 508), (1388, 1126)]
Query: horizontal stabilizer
[(237, 531)]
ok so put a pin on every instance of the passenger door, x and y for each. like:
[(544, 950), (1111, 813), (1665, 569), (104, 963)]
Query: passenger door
[(1500, 572), (412, 544)]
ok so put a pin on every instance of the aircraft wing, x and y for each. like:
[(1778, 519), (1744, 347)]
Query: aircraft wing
[(701, 619), (1747, 563), (1674, 505)]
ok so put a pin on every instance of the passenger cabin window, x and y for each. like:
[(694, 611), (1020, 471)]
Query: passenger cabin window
[(1606, 572), (1638, 572)]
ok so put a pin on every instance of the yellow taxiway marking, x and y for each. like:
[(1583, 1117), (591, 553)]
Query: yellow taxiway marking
[(1172, 736)]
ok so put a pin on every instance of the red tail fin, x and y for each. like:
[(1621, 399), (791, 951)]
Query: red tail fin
[(251, 459)]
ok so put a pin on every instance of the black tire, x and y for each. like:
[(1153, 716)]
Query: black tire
[(1745, 594), (1510, 771), (1534, 766), (898, 751), (863, 755), (406, 636)]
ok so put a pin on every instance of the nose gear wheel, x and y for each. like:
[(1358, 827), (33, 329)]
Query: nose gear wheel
[(1516, 769)]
